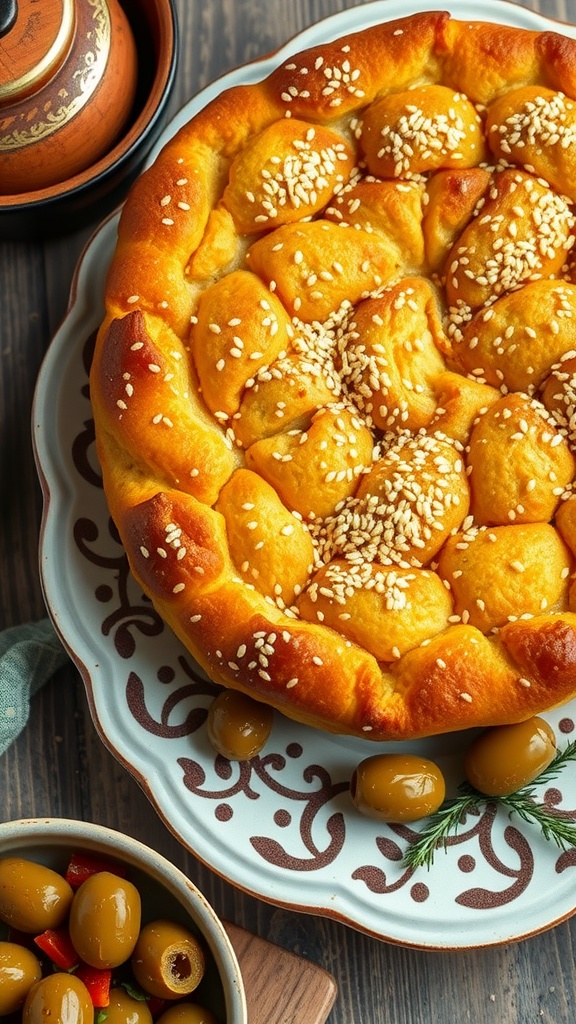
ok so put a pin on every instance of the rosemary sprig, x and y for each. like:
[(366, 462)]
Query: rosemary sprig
[(555, 825), (444, 822)]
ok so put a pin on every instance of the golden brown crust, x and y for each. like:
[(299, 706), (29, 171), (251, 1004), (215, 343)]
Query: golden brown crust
[(335, 386), (484, 60), (493, 572), (515, 342), (520, 466), (452, 197)]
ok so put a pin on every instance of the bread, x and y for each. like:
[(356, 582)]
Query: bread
[(335, 383)]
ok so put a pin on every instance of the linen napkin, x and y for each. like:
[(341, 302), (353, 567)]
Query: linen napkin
[(29, 655)]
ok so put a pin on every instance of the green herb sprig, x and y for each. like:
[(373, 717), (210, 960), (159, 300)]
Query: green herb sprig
[(555, 825)]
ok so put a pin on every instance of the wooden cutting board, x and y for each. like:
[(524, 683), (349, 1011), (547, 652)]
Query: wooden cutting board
[(281, 987)]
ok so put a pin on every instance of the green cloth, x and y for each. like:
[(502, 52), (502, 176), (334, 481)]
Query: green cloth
[(29, 655)]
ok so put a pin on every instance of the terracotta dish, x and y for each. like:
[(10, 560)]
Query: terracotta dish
[(84, 86)]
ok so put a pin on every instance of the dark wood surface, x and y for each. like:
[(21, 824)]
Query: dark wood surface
[(60, 767)]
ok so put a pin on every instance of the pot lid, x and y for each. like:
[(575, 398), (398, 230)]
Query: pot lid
[(35, 36)]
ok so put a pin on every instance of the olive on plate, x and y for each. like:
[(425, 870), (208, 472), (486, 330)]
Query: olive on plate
[(397, 787), (238, 726), (505, 758)]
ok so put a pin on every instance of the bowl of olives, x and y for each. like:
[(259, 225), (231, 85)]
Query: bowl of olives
[(96, 926)]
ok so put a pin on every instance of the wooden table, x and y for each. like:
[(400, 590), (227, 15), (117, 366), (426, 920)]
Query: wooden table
[(60, 767)]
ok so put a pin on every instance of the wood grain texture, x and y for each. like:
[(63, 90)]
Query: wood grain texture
[(280, 986), (59, 766)]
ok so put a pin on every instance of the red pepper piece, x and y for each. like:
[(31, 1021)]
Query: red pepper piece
[(82, 865), (57, 945), (97, 981)]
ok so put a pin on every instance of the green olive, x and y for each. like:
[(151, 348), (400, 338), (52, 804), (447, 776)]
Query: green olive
[(507, 757), (60, 997), (105, 919), (19, 970), (32, 896), (168, 960), (187, 1013), (397, 787), (238, 726), (125, 1009)]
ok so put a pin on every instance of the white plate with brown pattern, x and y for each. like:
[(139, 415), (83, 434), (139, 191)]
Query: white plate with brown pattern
[(281, 826)]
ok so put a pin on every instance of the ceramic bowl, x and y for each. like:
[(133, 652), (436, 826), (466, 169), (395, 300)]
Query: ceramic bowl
[(88, 195), (165, 892)]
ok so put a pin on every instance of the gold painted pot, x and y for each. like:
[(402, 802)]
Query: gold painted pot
[(68, 75)]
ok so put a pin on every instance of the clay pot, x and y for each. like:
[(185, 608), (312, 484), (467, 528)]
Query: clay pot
[(89, 194), (68, 74)]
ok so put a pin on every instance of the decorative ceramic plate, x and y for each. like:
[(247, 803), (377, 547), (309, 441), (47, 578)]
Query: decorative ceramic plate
[(281, 826)]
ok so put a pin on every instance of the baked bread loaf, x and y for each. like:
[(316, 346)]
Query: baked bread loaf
[(334, 391)]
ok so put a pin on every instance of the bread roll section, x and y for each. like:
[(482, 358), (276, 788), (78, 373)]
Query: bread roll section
[(334, 389)]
